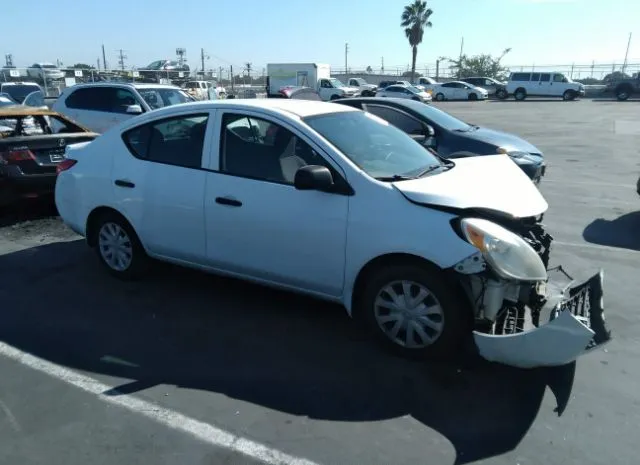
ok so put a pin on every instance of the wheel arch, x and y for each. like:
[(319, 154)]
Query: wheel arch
[(92, 223), (381, 261)]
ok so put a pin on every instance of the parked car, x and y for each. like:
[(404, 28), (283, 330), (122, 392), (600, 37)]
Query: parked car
[(405, 92), (41, 71), (165, 69), (384, 84), (19, 90), (453, 138), (32, 144), (522, 85), (624, 88), (299, 93), (199, 90), (491, 85), (99, 106), (399, 236), (458, 90), (366, 89)]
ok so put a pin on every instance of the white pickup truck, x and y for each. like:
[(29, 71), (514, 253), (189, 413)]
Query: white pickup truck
[(366, 89)]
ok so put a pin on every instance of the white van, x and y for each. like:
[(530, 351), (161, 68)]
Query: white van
[(533, 84)]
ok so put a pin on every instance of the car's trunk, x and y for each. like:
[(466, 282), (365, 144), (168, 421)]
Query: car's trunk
[(39, 154)]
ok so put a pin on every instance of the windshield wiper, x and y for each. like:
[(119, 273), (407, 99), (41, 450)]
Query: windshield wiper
[(432, 168), (395, 177)]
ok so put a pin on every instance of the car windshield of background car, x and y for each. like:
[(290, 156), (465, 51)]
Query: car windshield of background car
[(439, 117), (336, 82), (158, 98), (377, 147)]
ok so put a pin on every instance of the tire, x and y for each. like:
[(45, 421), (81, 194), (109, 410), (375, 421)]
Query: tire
[(569, 95), (454, 319), (334, 97), (623, 93), (473, 97), (502, 94), (416, 98), (440, 97), (134, 261), (520, 94)]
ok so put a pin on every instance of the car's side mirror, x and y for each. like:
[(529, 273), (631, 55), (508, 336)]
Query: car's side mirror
[(429, 131), (565, 80), (134, 109), (313, 177)]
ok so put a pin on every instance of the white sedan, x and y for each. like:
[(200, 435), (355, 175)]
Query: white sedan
[(404, 91), (458, 90), (336, 203)]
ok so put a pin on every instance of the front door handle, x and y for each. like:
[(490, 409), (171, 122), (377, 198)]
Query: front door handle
[(228, 201), (123, 183)]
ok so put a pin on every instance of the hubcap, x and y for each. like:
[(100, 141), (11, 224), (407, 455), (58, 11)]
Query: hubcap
[(409, 314), (115, 246), (622, 95)]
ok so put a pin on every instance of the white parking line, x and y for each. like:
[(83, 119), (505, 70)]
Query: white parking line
[(203, 431)]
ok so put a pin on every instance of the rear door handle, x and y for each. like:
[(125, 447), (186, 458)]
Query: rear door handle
[(123, 183), (228, 201)]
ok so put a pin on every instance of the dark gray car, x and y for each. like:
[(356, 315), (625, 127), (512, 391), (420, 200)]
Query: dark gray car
[(452, 138)]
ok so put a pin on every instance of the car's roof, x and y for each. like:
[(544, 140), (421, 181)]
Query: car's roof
[(135, 85), (299, 108), (19, 83), (23, 110)]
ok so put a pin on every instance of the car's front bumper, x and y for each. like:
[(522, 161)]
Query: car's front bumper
[(571, 323)]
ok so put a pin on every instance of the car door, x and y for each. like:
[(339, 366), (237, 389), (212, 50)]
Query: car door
[(326, 89), (447, 89), (400, 119), (258, 224), (557, 85), (161, 184), (545, 84)]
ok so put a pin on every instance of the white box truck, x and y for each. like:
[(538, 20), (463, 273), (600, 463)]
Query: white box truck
[(314, 75)]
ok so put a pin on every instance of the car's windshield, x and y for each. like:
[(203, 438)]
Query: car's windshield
[(360, 81), (377, 147), (155, 64), (20, 91), (438, 117), (414, 89), (336, 82), (192, 85), (159, 97)]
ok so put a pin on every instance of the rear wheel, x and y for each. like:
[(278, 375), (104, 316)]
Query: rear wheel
[(413, 311), (118, 247), (439, 97), (623, 93), (520, 94), (501, 94)]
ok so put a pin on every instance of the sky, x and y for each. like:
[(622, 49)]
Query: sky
[(539, 32)]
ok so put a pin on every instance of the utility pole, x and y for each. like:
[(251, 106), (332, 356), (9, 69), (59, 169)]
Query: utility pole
[(202, 60), (231, 75), (346, 53), (381, 65), (626, 54), (220, 76), (8, 58), (460, 59), (121, 58), (98, 63), (104, 59)]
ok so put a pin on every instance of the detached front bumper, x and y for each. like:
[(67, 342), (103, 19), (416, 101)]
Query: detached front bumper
[(571, 323)]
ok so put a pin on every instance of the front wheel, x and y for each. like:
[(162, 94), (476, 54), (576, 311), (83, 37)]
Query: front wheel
[(569, 95), (418, 99), (623, 93), (119, 248), (415, 312), (334, 97), (473, 97)]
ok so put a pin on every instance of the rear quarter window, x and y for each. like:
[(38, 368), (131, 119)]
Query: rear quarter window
[(520, 76)]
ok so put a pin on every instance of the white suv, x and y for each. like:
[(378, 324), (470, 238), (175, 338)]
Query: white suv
[(98, 106), (552, 84)]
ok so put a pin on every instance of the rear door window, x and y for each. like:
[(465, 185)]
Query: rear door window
[(399, 119)]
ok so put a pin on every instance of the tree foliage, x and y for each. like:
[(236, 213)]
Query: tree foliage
[(415, 19), (616, 76), (82, 66), (480, 65)]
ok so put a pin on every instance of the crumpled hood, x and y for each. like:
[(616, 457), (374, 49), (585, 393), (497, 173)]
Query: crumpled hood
[(502, 139), (491, 182)]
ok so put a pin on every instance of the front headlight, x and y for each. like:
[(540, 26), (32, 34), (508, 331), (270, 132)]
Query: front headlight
[(512, 153), (507, 253)]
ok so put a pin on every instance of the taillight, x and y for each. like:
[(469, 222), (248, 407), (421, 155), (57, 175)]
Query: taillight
[(15, 156), (64, 165)]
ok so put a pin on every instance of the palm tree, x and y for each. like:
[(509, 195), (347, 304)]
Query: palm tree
[(415, 18)]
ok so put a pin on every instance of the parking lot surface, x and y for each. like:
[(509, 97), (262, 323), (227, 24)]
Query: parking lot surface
[(159, 371)]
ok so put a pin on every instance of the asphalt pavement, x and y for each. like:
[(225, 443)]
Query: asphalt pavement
[(185, 367)]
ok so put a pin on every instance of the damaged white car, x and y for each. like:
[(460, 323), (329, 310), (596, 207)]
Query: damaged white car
[(334, 202)]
